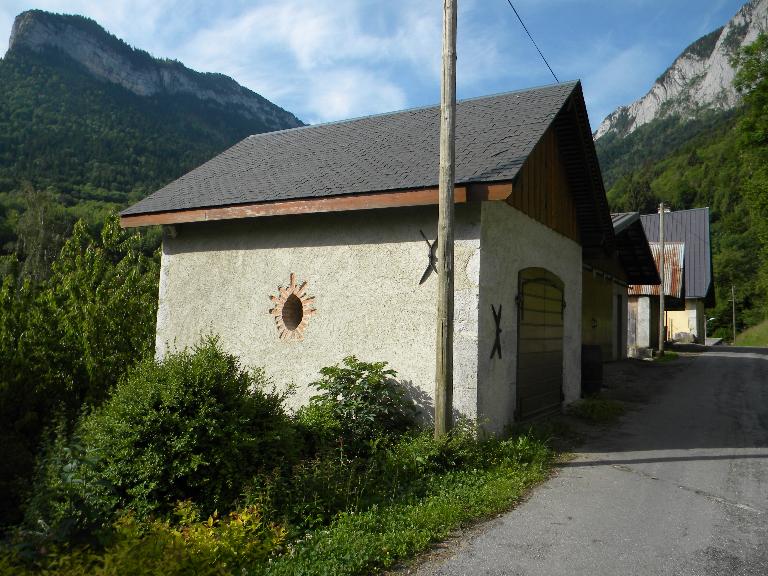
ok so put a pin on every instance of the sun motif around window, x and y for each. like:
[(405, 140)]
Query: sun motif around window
[(292, 310)]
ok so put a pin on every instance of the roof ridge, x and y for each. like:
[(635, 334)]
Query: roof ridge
[(676, 211), (412, 109)]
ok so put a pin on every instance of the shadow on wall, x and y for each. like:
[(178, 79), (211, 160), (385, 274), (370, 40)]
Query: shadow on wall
[(425, 407), (395, 225)]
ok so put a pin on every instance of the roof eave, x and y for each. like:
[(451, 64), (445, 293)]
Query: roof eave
[(463, 193)]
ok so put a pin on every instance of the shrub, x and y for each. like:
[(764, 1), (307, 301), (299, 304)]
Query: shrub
[(319, 426), (66, 341), (365, 400), (216, 546), (193, 426), (67, 503)]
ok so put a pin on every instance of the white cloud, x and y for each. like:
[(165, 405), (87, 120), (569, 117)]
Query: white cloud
[(349, 93), (620, 77), (324, 60), (330, 59)]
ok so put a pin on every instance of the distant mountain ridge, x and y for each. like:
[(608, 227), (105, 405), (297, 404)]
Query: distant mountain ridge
[(700, 78), (100, 124), (109, 58)]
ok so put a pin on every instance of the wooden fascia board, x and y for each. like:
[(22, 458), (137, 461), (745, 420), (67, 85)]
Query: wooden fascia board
[(419, 197)]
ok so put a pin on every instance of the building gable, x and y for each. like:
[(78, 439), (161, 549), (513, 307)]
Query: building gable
[(542, 191)]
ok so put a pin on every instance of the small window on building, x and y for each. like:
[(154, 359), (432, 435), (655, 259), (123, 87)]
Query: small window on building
[(292, 310)]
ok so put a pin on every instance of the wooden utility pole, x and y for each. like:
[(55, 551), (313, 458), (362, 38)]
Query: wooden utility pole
[(733, 305), (662, 273), (444, 367)]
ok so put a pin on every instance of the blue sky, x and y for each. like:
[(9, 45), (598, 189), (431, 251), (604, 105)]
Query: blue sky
[(333, 59)]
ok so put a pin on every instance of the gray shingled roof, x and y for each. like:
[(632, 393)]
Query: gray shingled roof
[(494, 136), (691, 227), (634, 252)]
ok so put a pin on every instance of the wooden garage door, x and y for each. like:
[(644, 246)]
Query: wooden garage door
[(540, 343)]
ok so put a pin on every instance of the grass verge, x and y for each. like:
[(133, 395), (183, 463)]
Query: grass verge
[(380, 537), (597, 410), (446, 484), (667, 357), (755, 336)]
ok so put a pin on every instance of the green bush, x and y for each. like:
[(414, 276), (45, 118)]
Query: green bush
[(364, 399), (424, 509), (194, 426), (67, 503), (65, 342), (216, 546), (319, 426), (317, 489)]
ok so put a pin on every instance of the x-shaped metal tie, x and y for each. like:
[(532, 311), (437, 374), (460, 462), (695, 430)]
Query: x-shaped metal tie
[(432, 266), (497, 342)]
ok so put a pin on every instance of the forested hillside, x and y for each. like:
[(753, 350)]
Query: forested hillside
[(716, 161), (76, 145)]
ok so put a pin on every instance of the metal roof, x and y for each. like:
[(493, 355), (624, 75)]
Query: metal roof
[(692, 228), (622, 220), (674, 271), (634, 252), (400, 151)]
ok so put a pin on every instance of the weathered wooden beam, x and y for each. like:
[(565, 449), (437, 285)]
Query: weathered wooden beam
[(419, 197)]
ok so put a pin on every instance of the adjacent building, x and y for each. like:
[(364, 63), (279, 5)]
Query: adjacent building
[(689, 286), (606, 279)]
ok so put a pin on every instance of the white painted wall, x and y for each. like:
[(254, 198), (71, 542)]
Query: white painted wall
[(363, 269), (620, 315), (644, 322), (511, 241)]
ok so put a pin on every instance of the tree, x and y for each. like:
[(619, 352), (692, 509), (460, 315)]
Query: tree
[(104, 297), (65, 341), (41, 231), (752, 81)]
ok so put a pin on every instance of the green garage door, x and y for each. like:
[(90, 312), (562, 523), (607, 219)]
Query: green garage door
[(540, 343)]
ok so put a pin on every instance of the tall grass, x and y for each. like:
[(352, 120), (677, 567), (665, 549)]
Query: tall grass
[(755, 336)]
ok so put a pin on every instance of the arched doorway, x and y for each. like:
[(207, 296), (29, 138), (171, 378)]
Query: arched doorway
[(541, 307)]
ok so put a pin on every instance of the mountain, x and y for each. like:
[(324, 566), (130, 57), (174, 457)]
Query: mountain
[(701, 78), (691, 142), (112, 60), (96, 122)]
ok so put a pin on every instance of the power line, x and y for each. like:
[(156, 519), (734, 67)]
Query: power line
[(532, 40)]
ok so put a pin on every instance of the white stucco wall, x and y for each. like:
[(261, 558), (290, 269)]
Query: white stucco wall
[(511, 242), (363, 268), (620, 313), (644, 327)]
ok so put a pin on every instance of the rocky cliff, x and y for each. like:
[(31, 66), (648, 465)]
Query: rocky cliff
[(700, 78), (111, 59)]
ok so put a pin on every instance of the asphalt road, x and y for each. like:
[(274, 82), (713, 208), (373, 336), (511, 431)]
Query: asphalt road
[(680, 487)]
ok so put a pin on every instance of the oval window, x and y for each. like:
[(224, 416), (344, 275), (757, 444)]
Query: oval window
[(293, 312)]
